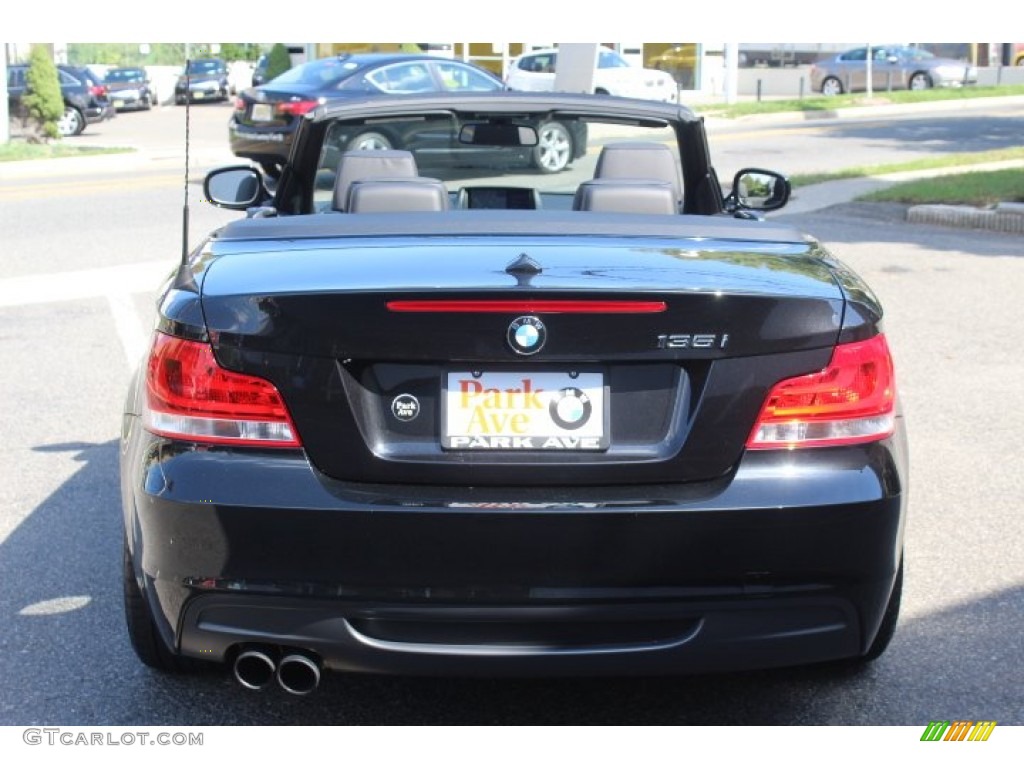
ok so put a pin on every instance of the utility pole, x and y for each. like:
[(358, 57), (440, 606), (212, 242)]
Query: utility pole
[(732, 74), (868, 66), (5, 118)]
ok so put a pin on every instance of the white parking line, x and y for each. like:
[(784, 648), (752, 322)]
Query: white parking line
[(115, 284), (130, 331)]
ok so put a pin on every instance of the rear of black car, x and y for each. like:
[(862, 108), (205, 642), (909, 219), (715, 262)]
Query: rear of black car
[(675, 453)]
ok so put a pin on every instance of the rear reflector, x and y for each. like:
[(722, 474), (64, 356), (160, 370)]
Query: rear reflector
[(852, 400), (531, 307), (190, 397)]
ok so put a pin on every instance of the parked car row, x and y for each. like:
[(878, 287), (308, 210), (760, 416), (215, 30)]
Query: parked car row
[(86, 99)]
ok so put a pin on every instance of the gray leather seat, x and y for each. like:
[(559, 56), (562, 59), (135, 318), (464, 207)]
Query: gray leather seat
[(641, 160), (626, 196), (397, 195), (361, 164)]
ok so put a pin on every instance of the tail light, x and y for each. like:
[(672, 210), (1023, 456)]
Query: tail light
[(98, 90), (852, 400), (239, 104), (190, 397), (296, 107)]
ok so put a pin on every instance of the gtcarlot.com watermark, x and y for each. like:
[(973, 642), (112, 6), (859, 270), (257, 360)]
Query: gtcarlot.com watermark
[(69, 737)]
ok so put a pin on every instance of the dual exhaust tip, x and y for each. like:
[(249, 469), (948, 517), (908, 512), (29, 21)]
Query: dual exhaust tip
[(296, 673)]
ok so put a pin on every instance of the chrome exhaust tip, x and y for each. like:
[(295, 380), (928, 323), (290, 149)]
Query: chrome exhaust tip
[(298, 674), (254, 669)]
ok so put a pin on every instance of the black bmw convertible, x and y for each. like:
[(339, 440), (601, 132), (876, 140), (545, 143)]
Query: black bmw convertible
[(417, 416)]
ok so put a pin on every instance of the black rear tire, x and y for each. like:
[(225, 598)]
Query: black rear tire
[(142, 631), (888, 626)]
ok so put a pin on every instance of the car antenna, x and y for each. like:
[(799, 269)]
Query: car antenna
[(184, 214)]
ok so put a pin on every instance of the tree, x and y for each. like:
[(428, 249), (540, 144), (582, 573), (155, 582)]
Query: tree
[(279, 61), (43, 100), (240, 51)]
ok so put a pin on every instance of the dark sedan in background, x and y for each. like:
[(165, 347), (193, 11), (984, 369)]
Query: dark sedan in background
[(203, 80), (266, 117), (129, 88), (892, 68)]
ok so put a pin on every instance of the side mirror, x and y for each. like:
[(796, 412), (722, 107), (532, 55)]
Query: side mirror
[(755, 189), (235, 187)]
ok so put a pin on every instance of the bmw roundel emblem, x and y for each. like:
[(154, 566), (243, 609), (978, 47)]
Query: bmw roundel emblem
[(526, 335), (570, 408)]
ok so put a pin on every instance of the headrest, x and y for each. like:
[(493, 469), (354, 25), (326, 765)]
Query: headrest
[(397, 195), (641, 160), (626, 196), (370, 164)]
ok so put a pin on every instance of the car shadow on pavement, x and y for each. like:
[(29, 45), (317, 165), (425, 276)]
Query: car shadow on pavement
[(66, 658)]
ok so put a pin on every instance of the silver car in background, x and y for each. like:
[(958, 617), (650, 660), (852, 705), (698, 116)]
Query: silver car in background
[(892, 68)]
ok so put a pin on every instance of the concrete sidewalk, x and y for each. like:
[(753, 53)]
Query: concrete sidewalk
[(1006, 217)]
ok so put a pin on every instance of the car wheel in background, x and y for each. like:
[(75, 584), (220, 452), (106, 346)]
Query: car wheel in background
[(919, 81), (554, 148), (831, 86), (370, 140), (71, 123)]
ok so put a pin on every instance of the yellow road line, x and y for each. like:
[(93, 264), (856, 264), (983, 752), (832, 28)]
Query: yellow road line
[(64, 188)]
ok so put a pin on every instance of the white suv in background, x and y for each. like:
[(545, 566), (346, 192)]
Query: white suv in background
[(535, 71)]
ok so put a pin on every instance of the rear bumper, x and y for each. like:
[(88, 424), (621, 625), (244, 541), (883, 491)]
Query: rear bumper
[(98, 112), (260, 144), (791, 559)]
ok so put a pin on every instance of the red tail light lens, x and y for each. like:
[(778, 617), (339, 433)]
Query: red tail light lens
[(852, 400), (190, 397), (98, 90), (296, 107), (239, 104)]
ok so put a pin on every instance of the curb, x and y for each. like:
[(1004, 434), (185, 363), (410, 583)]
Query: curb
[(1005, 217)]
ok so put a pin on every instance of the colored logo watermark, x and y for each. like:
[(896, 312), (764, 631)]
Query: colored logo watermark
[(958, 730)]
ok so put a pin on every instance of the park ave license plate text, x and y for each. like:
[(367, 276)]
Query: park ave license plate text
[(515, 410)]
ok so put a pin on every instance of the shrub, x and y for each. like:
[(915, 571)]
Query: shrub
[(43, 100), (279, 61)]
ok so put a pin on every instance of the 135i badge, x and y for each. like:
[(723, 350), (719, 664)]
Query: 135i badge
[(692, 341)]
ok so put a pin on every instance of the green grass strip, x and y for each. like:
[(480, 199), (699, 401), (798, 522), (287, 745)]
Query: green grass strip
[(19, 150)]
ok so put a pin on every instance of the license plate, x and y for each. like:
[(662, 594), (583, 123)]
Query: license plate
[(523, 411), (262, 113), (198, 95), (118, 103)]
